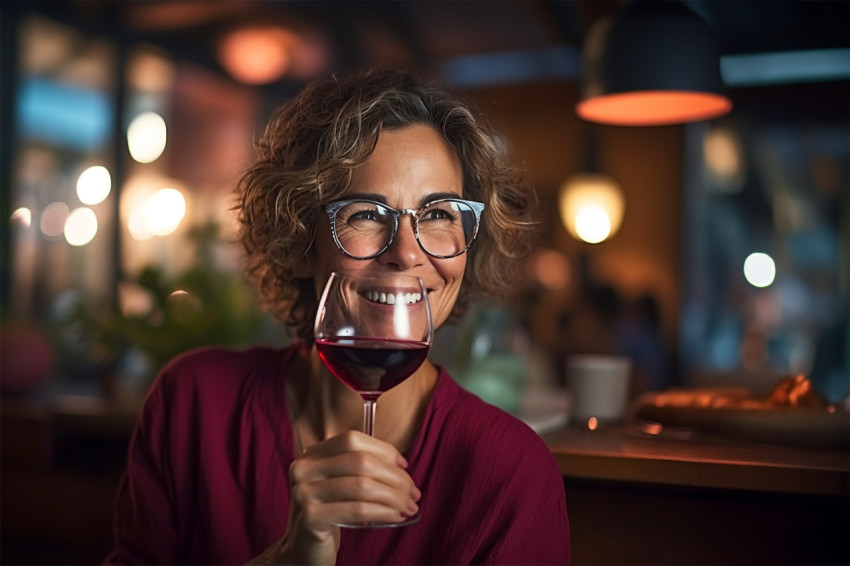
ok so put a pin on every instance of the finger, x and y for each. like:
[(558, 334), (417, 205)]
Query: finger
[(357, 488), (310, 468), (356, 441)]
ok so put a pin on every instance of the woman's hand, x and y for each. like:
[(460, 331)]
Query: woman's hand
[(350, 478)]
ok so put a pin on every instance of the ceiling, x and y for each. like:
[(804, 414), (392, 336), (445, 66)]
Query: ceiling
[(434, 35)]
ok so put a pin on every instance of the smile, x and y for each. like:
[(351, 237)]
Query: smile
[(391, 299)]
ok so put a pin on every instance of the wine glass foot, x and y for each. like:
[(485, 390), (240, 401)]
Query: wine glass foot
[(409, 521)]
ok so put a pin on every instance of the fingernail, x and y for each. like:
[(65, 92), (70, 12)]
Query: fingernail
[(413, 508), (401, 462), (415, 493)]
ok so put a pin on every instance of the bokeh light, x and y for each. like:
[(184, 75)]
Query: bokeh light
[(257, 55), (164, 211), (151, 213), (759, 269), (135, 300), (22, 216), (183, 305), (138, 226), (53, 219), (591, 206), (80, 227), (551, 269), (146, 137), (94, 185), (592, 224)]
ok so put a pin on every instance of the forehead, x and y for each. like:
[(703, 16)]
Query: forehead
[(411, 162)]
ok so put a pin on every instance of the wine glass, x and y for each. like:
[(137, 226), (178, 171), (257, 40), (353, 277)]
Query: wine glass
[(372, 332)]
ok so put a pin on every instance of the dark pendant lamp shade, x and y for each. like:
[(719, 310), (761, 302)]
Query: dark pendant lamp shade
[(652, 63)]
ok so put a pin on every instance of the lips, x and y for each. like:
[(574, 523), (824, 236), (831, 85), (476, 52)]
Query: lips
[(391, 298)]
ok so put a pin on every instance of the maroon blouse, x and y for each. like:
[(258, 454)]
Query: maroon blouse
[(207, 475)]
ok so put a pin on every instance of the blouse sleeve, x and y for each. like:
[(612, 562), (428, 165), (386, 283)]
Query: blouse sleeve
[(539, 532), (530, 523), (144, 526)]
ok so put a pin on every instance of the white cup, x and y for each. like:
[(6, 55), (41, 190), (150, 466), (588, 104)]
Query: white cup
[(599, 386)]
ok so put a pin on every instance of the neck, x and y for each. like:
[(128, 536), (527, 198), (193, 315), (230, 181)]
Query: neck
[(322, 407)]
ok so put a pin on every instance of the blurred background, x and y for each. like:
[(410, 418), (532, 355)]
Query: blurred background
[(723, 259)]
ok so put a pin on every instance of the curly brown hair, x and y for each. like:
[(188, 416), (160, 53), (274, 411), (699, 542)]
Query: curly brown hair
[(305, 159)]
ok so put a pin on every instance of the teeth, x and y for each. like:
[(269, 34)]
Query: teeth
[(403, 298)]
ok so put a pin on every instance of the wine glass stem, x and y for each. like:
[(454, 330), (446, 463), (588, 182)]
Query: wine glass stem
[(369, 416)]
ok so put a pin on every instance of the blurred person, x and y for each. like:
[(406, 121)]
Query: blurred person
[(255, 455), (638, 335)]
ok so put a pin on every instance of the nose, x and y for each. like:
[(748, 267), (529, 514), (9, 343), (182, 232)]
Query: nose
[(404, 252)]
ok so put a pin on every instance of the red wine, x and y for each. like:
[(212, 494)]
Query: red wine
[(371, 366)]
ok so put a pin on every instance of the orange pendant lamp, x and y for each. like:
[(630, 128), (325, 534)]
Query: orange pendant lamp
[(651, 63)]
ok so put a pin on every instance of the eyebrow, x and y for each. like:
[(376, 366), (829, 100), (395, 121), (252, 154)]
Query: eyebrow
[(382, 199)]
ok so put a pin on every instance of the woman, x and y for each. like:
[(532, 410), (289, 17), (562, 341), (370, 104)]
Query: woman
[(255, 456)]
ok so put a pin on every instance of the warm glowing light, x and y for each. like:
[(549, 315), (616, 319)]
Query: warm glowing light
[(591, 207), (652, 428), (551, 269), (53, 218), (93, 185), (653, 108), (183, 305), (80, 227), (146, 137), (721, 151), (22, 216), (138, 226), (592, 423), (257, 55), (592, 224), (134, 300), (164, 211), (759, 269), (149, 210), (723, 154)]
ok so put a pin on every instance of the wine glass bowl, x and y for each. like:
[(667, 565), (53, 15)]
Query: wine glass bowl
[(373, 332)]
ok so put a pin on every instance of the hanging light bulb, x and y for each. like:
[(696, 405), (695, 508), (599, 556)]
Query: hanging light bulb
[(651, 63), (591, 206)]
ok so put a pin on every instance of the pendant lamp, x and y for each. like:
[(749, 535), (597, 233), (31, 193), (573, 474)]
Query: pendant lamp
[(591, 203), (651, 63)]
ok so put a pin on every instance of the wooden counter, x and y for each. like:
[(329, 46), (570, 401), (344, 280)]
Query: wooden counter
[(628, 455), (677, 498)]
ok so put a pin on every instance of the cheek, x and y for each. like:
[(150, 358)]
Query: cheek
[(452, 273), (326, 257)]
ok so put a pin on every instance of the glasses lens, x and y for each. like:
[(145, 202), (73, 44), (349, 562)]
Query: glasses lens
[(363, 228), (447, 227)]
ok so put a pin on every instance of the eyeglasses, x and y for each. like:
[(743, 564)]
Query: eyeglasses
[(444, 228)]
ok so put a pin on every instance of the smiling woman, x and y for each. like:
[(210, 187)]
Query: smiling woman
[(375, 174)]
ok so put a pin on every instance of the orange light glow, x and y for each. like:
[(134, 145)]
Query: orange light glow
[(653, 108), (258, 55), (551, 269), (592, 423)]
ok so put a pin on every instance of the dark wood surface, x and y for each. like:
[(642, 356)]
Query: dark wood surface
[(682, 459), (638, 499)]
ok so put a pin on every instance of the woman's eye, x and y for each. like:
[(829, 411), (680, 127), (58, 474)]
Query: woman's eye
[(364, 215), (438, 214)]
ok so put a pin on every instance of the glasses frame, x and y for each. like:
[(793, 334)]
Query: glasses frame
[(334, 207)]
